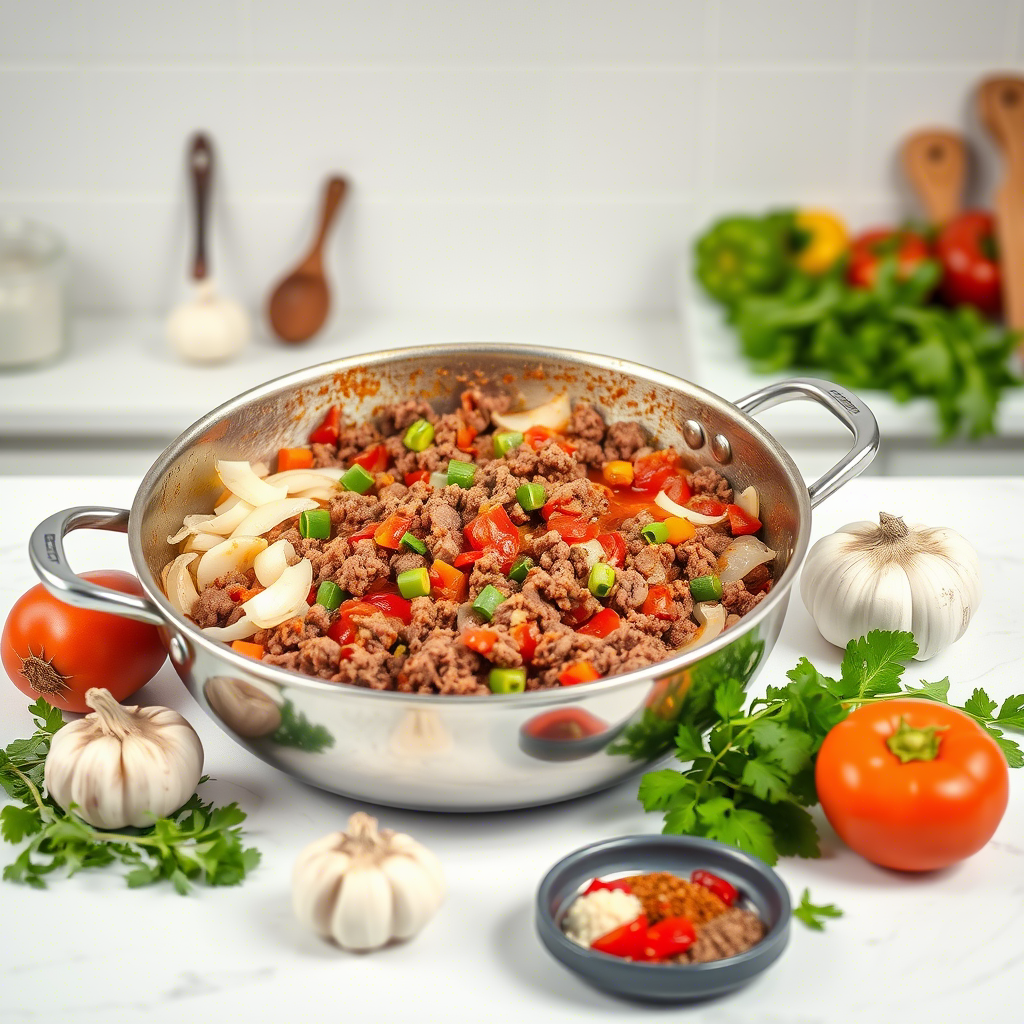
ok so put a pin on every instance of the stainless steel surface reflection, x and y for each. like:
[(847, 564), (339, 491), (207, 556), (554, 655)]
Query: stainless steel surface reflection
[(461, 753)]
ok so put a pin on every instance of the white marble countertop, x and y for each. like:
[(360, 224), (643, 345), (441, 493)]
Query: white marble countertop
[(947, 947)]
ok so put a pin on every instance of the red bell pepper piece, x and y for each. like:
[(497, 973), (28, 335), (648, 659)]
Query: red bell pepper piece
[(447, 583), (599, 883), (614, 548), (415, 478), (311, 596), (468, 558), (567, 506), (668, 938), (389, 534), (650, 472), (741, 522), (626, 941), (394, 605), (677, 489), (494, 531), (659, 602), (374, 460), (579, 672), (572, 529), (706, 506), (537, 437), (366, 533), (480, 640), (464, 438), (330, 427), (525, 637), (293, 458), (724, 890), (604, 622)]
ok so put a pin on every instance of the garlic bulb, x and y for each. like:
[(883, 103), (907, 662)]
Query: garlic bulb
[(366, 887), (892, 576), (123, 766)]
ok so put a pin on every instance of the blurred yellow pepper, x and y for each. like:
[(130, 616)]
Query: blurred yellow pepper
[(826, 239)]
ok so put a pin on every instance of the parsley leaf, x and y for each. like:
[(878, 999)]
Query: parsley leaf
[(814, 914), (198, 842), (874, 664)]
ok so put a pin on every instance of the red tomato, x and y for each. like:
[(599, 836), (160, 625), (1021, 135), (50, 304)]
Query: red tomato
[(566, 506), (57, 652), (614, 548), (604, 622), (650, 472), (966, 247), (494, 531), (537, 437), (659, 602), (373, 460), (327, 432), (572, 529), (741, 522), (941, 805), (870, 249)]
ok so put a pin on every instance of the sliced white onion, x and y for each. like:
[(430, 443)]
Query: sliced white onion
[(227, 504), (318, 493), (202, 542), (711, 616), (438, 480), (748, 501), (240, 630), (295, 481), (665, 502), (467, 618), (261, 469), (595, 552), (266, 517), (279, 601), (271, 562), (233, 555), (742, 555), (240, 478), (192, 524), (178, 585), (331, 472), (225, 523), (553, 414)]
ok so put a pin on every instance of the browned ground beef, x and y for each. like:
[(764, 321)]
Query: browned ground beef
[(427, 654)]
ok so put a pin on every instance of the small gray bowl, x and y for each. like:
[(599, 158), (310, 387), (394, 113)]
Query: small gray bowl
[(761, 888)]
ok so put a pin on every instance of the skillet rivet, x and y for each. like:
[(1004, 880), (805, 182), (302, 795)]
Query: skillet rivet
[(693, 433), (721, 449)]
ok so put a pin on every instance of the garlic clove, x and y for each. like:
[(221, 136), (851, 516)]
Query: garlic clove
[(414, 894), (424, 857), (316, 882), (363, 913)]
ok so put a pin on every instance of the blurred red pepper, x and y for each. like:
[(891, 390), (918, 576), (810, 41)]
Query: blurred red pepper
[(598, 883), (872, 248), (525, 636), (327, 432), (414, 478), (725, 891), (625, 941), (966, 247), (579, 672), (668, 938), (374, 460)]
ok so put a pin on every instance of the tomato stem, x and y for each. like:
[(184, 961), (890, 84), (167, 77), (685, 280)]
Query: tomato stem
[(910, 744)]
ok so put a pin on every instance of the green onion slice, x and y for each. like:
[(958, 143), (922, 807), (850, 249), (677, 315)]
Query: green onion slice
[(330, 595), (487, 601), (419, 436), (506, 441), (507, 680), (655, 533), (520, 567), (315, 523), (414, 543), (706, 588), (461, 473), (414, 583), (531, 496), (357, 479), (602, 579)]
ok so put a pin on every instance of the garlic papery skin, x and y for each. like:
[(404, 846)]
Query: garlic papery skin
[(365, 888), (892, 575), (123, 765)]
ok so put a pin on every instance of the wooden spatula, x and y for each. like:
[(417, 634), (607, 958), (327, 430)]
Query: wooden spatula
[(1001, 107), (935, 161)]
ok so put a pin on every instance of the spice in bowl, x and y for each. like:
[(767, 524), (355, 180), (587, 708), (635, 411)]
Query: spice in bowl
[(659, 917)]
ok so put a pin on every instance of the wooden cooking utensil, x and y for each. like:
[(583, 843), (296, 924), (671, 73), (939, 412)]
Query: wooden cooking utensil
[(935, 162), (300, 303), (1001, 107)]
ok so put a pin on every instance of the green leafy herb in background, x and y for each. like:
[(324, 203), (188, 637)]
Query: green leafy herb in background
[(750, 779), (297, 731), (888, 336), (814, 914), (199, 842)]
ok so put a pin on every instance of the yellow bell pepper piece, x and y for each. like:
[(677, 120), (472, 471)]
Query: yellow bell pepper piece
[(679, 529), (827, 240), (618, 473)]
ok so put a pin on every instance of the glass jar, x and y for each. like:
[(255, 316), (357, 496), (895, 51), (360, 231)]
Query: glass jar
[(32, 283)]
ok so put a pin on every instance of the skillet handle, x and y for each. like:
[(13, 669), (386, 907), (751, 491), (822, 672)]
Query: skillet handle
[(845, 406), (46, 552)]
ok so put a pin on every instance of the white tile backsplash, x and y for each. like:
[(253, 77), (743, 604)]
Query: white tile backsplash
[(546, 155)]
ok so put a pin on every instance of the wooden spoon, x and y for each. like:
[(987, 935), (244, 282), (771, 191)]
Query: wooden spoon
[(1001, 106), (300, 303), (935, 162)]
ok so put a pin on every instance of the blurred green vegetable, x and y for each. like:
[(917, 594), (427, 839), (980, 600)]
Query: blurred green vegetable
[(885, 336), (741, 256)]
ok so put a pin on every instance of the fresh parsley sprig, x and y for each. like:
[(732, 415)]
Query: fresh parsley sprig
[(813, 915), (199, 842), (750, 778)]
